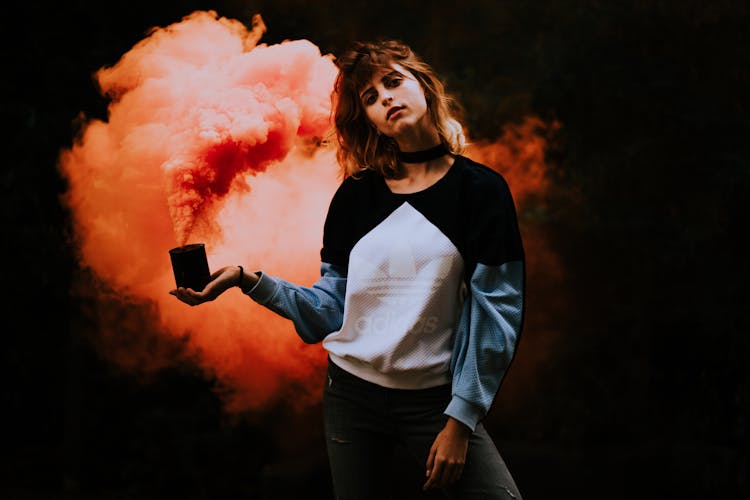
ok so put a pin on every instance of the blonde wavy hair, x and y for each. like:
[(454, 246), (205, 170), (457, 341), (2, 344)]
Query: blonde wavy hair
[(360, 147)]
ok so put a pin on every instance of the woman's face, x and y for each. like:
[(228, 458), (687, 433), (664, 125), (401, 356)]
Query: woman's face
[(394, 101)]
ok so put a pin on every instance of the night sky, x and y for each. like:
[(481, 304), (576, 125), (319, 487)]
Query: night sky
[(630, 378)]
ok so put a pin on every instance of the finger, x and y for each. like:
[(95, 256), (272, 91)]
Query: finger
[(436, 475), (458, 473), (439, 473), (450, 475), (184, 295), (430, 460), (196, 296), (429, 466), (445, 478)]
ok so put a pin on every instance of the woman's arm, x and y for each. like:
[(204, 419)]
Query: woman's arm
[(486, 339), (315, 311)]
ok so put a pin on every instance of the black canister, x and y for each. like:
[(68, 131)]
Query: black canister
[(190, 266)]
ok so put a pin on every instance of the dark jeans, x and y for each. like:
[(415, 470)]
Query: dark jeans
[(364, 425)]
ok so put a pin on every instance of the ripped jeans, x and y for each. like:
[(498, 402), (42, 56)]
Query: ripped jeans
[(365, 422)]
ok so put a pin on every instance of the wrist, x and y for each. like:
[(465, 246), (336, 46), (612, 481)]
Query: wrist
[(245, 281), (458, 427), (240, 276)]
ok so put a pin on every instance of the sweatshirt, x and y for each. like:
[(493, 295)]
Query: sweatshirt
[(419, 289)]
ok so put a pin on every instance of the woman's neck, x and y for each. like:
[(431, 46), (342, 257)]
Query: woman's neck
[(413, 177), (417, 139)]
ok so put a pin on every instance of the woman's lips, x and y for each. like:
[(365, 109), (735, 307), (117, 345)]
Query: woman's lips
[(394, 110)]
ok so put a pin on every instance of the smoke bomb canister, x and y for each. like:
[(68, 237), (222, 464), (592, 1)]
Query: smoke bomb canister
[(190, 266)]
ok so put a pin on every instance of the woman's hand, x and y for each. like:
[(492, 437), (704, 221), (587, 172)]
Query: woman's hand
[(222, 280), (447, 455)]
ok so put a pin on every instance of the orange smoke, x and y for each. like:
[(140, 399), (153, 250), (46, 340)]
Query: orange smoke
[(214, 138), (519, 154), (197, 110)]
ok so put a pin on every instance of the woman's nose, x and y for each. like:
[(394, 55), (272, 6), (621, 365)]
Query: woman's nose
[(387, 99)]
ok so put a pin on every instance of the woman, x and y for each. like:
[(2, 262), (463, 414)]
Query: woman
[(420, 300)]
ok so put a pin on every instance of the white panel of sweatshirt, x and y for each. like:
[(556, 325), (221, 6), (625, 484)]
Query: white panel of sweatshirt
[(404, 294)]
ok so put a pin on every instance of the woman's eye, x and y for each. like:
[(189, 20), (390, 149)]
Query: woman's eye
[(370, 99), (394, 82)]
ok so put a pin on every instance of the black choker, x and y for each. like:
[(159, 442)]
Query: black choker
[(424, 155)]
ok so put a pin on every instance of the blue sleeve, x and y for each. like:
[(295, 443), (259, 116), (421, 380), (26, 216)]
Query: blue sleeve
[(315, 311), (486, 339)]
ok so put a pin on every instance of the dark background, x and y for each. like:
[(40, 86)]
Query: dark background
[(646, 394)]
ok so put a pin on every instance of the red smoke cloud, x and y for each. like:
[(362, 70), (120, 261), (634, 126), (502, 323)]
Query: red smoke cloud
[(214, 138), (209, 107)]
